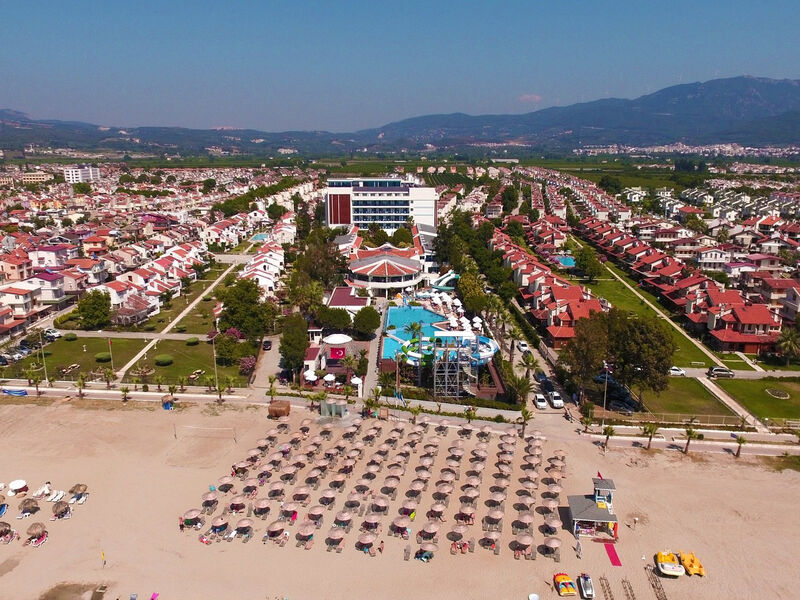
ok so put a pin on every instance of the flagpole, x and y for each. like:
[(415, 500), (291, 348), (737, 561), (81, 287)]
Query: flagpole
[(111, 354)]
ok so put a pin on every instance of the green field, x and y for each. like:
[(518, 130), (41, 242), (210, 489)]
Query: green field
[(179, 304), (186, 360), (685, 395), (62, 353), (751, 393)]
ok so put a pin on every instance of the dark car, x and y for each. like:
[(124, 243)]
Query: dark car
[(602, 378), (548, 386), (720, 372), (3, 361), (267, 345)]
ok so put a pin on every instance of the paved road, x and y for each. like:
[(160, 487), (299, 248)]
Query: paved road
[(138, 335)]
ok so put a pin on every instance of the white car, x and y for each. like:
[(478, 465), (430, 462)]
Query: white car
[(55, 333), (523, 347), (555, 400), (539, 401), (677, 372)]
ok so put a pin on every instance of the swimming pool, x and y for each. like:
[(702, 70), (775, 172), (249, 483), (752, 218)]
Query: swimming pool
[(400, 316), (566, 261), (259, 237)]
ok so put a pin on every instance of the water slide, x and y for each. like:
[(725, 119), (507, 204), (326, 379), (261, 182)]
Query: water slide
[(442, 284)]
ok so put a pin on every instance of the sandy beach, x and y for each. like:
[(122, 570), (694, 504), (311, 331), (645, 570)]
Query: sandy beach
[(737, 516)]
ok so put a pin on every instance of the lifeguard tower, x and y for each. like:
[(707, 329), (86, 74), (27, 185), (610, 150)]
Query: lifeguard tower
[(593, 515)]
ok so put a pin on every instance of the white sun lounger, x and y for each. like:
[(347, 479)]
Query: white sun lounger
[(52, 496), (59, 495), (83, 498), (74, 498)]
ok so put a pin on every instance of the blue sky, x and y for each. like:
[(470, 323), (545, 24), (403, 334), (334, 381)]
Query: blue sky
[(346, 65)]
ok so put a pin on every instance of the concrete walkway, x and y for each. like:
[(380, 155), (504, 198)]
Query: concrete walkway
[(732, 404), (175, 321), (138, 335), (746, 359)]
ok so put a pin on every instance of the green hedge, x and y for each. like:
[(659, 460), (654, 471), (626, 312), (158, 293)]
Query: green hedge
[(103, 357), (70, 337), (192, 341), (163, 360), (525, 326)]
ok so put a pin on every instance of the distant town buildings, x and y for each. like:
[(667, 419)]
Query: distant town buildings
[(81, 174)]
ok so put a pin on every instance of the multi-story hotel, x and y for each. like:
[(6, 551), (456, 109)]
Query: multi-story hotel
[(390, 202), (81, 174)]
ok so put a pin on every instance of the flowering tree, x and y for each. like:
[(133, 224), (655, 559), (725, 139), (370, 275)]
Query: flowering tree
[(247, 365)]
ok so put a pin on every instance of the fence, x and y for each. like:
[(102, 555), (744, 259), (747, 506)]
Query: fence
[(682, 419)]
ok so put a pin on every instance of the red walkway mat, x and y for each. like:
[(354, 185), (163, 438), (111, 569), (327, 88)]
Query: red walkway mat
[(612, 555)]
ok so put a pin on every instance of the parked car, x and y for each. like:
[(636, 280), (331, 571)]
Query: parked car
[(523, 347), (53, 333), (539, 401), (720, 372), (555, 400), (676, 372), (602, 378), (3, 361), (16, 355), (548, 386), (267, 345)]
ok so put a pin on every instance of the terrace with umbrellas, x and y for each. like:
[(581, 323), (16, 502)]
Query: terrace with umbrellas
[(390, 488)]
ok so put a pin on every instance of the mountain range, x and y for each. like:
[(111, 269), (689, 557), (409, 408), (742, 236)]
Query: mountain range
[(752, 111)]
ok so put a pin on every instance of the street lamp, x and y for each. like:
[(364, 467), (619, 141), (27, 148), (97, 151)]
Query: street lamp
[(44, 362), (606, 370)]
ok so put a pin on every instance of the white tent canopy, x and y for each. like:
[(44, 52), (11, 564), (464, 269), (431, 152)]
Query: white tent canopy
[(337, 339), (329, 377)]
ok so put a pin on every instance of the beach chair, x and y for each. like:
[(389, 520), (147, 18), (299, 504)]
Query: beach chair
[(497, 550), (83, 498), (471, 544), (134, 596), (339, 548), (517, 554), (230, 536), (299, 543), (453, 548), (247, 537), (330, 547), (250, 509), (407, 553), (309, 544), (372, 551)]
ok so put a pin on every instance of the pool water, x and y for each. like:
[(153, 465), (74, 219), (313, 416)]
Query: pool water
[(567, 261), (259, 237), (400, 316)]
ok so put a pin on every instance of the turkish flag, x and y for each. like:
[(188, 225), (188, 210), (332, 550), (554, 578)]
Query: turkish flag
[(337, 353)]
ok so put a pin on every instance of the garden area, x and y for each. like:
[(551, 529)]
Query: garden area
[(768, 398), (188, 358), (81, 351)]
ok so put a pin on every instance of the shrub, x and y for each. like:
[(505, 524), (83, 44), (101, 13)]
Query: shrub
[(207, 298), (145, 387), (70, 337), (103, 357), (149, 327), (247, 365), (498, 418), (163, 360), (180, 328), (192, 341)]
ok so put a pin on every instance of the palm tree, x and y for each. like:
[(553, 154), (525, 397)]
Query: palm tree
[(586, 422), (469, 413), (369, 405), (210, 382), (608, 431), (348, 390), (349, 363), (415, 331), (415, 410), (172, 389), (80, 383), (691, 434), (523, 387), (109, 376), (29, 374), (182, 382), (649, 429), (524, 416), (272, 380), (741, 440), (159, 381), (124, 390), (230, 381), (514, 335), (220, 391), (35, 378), (386, 380), (789, 343), (529, 363), (135, 381)]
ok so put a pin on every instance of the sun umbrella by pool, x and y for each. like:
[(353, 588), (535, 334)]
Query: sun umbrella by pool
[(550, 504), (275, 527), (244, 525), (276, 486), (457, 532), (471, 492), (380, 502), (209, 498), (390, 483), (328, 493), (301, 492), (504, 468), (497, 497), (429, 547), (36, 530), (372, 519), (526, 500), (438, 508), (330, 377), (219, 523), (557, 462), (505, 457), (492, 535), (225, 480), (60, 507), (466, 509), (288, 508), (495, 515), (366, 539), (250, 484), (552, 543), (28, 505), (261, 504), (447, 476)]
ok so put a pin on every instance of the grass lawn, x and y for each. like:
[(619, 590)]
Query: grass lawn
[(777, 363), (751, 393), (165, 317), (62, 353), (186, 360), (685, 395), (733, 361), (622, 298), (200, 320)]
